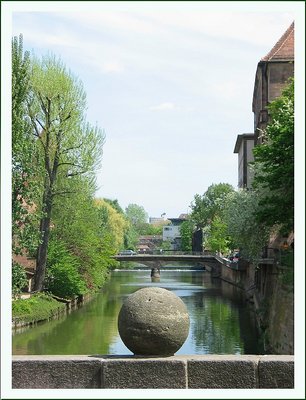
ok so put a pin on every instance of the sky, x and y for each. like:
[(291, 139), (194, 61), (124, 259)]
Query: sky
[(170, 83)]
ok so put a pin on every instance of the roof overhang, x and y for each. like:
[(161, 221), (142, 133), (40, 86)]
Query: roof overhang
[(242, 137)]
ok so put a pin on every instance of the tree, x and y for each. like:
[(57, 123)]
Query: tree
[(115, 204), (69, 146), (113, 224), (137, 216), (249, 235), (205, 208), (274, 164), (25, 186), (186, 231), (218, 239), (77, 228)]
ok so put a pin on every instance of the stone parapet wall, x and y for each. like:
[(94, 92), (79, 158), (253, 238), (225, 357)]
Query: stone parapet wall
[(176, 372)]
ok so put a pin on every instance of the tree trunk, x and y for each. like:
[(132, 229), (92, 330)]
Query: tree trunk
[(43, 247)]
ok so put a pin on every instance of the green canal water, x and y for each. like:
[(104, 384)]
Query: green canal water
[(220, 321)]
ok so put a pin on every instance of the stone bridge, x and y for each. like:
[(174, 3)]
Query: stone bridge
[(158, 261)]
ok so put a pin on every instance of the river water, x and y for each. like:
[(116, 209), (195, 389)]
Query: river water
[(220, 321)]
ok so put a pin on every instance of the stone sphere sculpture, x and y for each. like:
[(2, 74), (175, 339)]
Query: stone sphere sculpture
[(153, 321)]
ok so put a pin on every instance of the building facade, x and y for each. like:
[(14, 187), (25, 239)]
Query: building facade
[(272, 74), (244, 148), (172, 232)]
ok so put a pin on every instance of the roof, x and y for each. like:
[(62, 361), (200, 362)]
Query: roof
[(240, 138), (283, 50), (183, 216)]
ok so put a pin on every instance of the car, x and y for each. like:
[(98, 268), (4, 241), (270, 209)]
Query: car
[(127, 253)]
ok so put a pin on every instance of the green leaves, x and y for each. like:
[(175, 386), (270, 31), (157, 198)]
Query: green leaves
[(56, 154), (240, 216), (19, 279), (26, 187), (274, 164), (204, 208), (186, 231)]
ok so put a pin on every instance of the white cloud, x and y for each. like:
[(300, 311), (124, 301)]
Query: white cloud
[(112, 66), (163, 107)]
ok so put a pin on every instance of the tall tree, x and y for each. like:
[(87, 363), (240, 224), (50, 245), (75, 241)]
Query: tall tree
[(186, 231), (113, 224), (69, 146), (274, 164), (247, 233), (218, 239), (25, 186), (137, 216), (205, 208)]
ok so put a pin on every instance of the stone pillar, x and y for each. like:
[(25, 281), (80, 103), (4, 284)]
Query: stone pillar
[(155, 273)]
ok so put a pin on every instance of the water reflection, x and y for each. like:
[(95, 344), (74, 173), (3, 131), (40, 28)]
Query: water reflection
[(220, 322)]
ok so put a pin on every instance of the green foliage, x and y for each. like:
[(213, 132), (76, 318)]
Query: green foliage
[(274, 164), (69, 147), (150, 229), (138, 225), (25, 186), (166, 245), (247, 233), (19, 279), (63, 277), (205, 208), (115, 204), (186, 231), (287, 264), (113, 225), (55, 157), (37, 308), (218, 239), (84, 229), (137, 216)]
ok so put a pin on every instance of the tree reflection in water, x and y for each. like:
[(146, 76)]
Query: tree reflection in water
[(221, 322)]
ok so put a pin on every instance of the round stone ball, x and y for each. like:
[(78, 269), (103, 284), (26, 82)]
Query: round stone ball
[(153, 321)]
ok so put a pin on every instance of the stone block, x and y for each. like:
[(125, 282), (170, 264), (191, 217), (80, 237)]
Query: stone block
[(155, 373), (222, 372), (43, 372), (276, 372)]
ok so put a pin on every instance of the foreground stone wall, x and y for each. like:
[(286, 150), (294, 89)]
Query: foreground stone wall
[(177, 372)]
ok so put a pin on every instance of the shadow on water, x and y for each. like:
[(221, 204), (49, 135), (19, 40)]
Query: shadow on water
[(220, 321)]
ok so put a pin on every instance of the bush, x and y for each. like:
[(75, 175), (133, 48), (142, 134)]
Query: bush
[(63, 277), (65, 281), (19, 279), (37, 308)]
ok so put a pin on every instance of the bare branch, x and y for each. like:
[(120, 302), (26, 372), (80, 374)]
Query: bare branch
[(68, 163), (76, 173), (42, 103), (41, 125), (71, 148), (63, 193)]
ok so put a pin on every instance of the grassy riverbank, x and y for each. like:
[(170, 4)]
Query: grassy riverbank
[(38, 307)]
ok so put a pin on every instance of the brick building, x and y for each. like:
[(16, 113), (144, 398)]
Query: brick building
[(272, 74)]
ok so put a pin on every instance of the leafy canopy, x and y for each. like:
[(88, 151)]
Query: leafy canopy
[(274, 164)]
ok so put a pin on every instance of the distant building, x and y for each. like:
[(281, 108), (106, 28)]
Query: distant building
[(244, 148), (149, 243), (172, 232), (156, 220)]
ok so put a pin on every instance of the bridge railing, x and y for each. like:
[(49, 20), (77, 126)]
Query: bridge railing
[(180, 253)]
